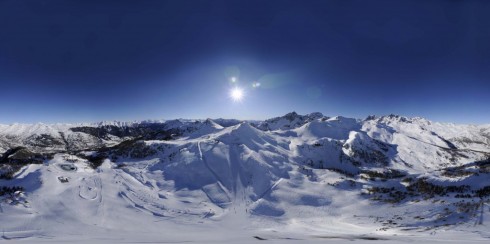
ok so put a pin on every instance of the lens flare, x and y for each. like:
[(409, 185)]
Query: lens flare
[(236, 94)]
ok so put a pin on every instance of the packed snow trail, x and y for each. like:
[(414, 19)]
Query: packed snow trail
[(238, 208), (216, 176), (270, 189)]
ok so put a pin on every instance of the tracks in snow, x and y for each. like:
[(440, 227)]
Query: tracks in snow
[(216, 176), (142, 199)]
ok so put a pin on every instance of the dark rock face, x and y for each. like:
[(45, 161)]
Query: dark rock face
[(371, 155), (288, 121)]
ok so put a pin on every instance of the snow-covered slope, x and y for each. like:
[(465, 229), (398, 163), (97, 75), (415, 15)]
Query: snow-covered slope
[(293, 177)]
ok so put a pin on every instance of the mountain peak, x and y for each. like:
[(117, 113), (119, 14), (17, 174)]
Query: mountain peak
[(394, 118), (244, 133), (211, 124), (245, 128), (288, 121)]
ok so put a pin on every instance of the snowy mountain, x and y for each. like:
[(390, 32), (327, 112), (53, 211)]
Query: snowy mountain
[(289, 121), (293, 177)]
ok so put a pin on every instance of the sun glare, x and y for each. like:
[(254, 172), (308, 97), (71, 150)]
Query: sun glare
[(236, 94)]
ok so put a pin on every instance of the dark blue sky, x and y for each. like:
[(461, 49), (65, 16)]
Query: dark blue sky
[(75, 61)]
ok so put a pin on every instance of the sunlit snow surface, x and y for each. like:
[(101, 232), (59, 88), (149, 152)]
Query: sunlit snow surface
[(238, 184)]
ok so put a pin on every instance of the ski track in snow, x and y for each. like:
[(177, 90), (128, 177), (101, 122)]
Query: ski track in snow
[(216, 176)]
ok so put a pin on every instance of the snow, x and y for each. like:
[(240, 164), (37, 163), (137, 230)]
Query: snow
[(242, 183)]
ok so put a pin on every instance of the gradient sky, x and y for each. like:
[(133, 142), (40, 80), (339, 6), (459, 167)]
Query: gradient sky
[(79, 61)]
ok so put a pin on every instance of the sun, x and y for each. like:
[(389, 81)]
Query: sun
[(236, 94)]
